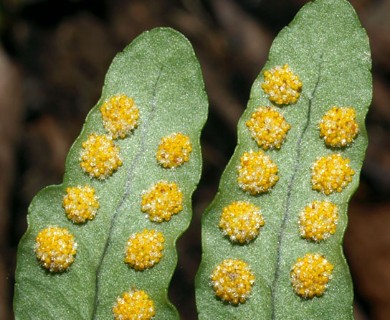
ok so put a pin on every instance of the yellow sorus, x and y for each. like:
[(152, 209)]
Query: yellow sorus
[(241, 221), (144, 249), (55, 248), (174, 150), (162, 201), (338, 127), (310, 275), (330, 174), (120, 116), (232, 281), (281, 85), (80, 203), (257, 173), (100, 156), (318, 221), (268, 127), (134, 305)]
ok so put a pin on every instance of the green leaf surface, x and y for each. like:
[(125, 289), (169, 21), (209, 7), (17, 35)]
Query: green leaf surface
[(160, 72), (328, 49)]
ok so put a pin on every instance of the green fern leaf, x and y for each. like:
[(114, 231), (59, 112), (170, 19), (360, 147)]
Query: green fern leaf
[(108, 232), (272, 236)]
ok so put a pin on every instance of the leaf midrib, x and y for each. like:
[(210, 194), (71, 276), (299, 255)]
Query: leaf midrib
[(286, 213), (127, 191)]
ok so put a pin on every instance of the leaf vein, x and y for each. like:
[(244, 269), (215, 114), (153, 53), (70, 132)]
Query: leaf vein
[(128, 188), (286, 215)]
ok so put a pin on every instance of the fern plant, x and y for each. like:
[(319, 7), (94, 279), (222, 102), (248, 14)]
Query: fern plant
[(101, 245)]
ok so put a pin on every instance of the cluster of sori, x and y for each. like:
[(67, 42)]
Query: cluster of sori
[(233, 279), (100, 158), (318, 220)]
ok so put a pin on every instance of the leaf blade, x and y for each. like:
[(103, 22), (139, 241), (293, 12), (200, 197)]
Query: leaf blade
[(160, 71), (330, 54)]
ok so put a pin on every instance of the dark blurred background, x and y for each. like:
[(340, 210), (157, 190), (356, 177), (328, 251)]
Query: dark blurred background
[(53, 58)]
